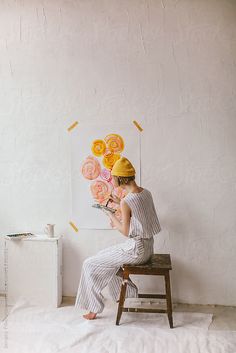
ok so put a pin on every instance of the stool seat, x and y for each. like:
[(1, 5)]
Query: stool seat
[(157, 265)]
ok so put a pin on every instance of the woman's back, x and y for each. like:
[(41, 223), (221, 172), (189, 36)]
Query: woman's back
[(144, 220)]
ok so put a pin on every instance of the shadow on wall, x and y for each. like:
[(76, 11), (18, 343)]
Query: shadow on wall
[(188, 234), (186, 283)]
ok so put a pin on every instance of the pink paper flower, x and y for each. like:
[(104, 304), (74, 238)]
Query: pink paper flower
[(91, 168), (100, 190), (105, 174)]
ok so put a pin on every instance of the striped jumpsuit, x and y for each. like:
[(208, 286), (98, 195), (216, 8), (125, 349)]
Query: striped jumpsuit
[(102, 269)]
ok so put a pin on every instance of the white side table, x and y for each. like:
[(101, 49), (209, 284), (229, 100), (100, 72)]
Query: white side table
[(34, 270)]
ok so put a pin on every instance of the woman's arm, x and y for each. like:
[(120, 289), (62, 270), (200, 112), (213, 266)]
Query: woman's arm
[(126, 215)]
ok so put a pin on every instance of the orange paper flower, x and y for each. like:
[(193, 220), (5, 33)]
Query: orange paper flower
[(115, 143), (109, 159), (98, 148)]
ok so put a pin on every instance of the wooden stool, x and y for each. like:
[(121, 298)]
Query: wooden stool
[(158, 265)]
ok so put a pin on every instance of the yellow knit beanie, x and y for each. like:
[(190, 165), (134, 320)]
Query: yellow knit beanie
[(123, 168)]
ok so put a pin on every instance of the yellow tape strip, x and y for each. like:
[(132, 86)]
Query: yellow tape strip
[(137, 125), (73, 126), (74, 227)]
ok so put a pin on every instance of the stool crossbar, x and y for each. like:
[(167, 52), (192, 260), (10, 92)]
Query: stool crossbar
[(158, 265)]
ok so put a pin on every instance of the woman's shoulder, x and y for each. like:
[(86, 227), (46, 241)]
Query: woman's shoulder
[(132, 195)]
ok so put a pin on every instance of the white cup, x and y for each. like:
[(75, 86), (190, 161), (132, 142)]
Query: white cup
[(49, 230)]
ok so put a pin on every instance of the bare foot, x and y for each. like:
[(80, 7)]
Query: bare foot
[(90, 316)]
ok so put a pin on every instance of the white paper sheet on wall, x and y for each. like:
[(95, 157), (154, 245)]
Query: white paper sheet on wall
[(83, 214)]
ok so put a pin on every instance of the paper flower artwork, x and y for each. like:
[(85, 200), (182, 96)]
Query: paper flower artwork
[(101, 187)]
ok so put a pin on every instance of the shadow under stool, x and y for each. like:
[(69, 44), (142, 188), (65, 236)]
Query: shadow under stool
[(158, 265)]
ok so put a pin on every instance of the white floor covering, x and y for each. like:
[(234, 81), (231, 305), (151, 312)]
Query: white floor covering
[(32, 329)]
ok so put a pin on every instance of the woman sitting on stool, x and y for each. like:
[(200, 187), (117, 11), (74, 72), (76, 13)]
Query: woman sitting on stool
[(139, 223)]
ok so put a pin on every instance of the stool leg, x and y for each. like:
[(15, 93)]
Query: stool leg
[(168, 299), (122, 298)]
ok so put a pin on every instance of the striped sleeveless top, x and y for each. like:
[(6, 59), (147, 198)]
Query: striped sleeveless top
[(144, 221)]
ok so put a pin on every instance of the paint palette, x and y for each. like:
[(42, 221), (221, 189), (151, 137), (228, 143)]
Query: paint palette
[(18, 235), (97, 205)]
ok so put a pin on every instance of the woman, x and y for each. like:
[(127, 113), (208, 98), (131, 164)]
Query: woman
[(139, 224)]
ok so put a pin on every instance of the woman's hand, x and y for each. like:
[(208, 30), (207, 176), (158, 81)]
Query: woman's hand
[(108, 213), (115, 199), (111, 216), (112, 224), (123, 226)]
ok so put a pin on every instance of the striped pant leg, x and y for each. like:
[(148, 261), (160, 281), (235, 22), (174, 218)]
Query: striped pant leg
[(93, 280), (114, 287), (96, 273), (145, 250)]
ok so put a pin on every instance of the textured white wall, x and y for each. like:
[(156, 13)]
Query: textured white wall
[(168, 64)]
